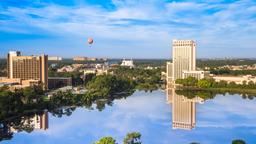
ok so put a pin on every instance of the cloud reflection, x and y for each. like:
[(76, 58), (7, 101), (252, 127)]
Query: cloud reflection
[(219, 120)]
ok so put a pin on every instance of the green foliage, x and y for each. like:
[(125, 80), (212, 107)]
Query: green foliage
[(238, 142), (204, 83), (217, 63), (105, 86), (15, 102), (210, 83), (204, 94), (106, 140), (190, 81), (148, 62), (102, 90), (211, 93), (10, 104), (214, 64), (62, 99), (233, 72), (88, 77), (132, 138), (144, 79), (32, 94)]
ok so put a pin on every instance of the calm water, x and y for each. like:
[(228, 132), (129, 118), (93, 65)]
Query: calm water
[(219, 120)]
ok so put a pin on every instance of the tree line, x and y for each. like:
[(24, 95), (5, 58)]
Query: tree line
[(225, 71), (217, 63), (211, 94), (211, 83)]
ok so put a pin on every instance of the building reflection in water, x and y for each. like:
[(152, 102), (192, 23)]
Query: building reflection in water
[(37, 122), (41, 121), (183, 110)]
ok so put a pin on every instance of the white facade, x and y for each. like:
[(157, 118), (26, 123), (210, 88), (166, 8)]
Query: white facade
[(195, 74), (183, 110), (128, 63), (236, 79), (53, 58), (184, 57), (169, 72)]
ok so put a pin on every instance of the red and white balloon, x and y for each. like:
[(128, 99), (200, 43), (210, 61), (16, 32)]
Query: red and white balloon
[(90, 41)]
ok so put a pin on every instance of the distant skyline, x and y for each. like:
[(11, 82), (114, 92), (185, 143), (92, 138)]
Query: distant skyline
[(128, 28)]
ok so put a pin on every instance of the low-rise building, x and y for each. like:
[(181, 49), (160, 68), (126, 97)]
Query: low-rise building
[(80, 58), (70, 68), (127, 63), (58, 82), (65, 69), (54, 58), (236, 79), (91, 59), (17, 83), (95, 71), (195, 74), (90, 71)]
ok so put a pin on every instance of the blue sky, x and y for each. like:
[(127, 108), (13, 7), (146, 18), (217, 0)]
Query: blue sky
[(127, 28)]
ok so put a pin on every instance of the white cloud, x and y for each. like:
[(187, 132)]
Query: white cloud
[(214, 25)]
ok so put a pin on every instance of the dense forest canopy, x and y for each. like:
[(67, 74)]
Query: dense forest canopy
[(217, 63)]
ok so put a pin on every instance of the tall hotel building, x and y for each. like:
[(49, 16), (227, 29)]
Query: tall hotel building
[(183, 59), (33, 69), (183, 110), (183, 65)]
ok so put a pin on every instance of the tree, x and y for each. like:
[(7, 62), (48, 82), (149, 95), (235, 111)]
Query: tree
[(132, 138), (244, 84), (29, 94), (179, 81), (106, 140), (251, 84), (143, 78), (204, 83), (238, 142), (232, 85), (88, 77), (191, 81), (222, 84), (32, 94), (105, 86)]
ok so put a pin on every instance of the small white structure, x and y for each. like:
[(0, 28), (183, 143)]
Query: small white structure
[(128, 63), (90, 71), (54, 58)]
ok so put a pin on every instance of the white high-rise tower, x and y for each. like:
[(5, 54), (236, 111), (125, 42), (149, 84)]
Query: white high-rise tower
[(183, 59)]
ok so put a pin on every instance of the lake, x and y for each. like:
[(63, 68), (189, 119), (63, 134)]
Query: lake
[(161, 119)]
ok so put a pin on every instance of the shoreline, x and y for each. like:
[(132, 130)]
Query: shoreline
[(231, 90)]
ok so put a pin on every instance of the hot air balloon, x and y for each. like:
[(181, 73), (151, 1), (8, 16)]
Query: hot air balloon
[(90, 41)]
